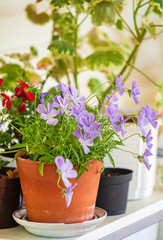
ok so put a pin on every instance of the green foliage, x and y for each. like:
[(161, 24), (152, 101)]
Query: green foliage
[(43, 142), (104, 13), (105, 60), (33, 50), (147, 23), (59, 3), (41, 18), (62, 47), (5, 139), (3, 163), (10, 73), (95, 86), (158, 4)]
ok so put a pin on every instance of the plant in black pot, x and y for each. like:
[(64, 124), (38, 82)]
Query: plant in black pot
[(113, 190), (10, 195)]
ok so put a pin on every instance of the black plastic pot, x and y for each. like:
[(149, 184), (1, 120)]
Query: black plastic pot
[(113, 190), (10, 200)]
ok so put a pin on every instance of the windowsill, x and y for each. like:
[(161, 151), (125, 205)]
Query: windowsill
[(139, 215)]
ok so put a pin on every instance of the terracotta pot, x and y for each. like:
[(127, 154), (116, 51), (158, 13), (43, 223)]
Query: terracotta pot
[(43, 199), (10, 200)]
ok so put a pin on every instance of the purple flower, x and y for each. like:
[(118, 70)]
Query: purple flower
[(112, 99), (56, 103), (135, 91), (84, 141), (68, 194), (0, 124), (120, 124), (63, 88), (78, 111), (148, 140), (66, 170), (119, 85), (48, 115), (150, 115), (62, 104), (145, 160), (62, 94), (142, 121), (112, 114), (73, 94), (41, 96), (89, 125)]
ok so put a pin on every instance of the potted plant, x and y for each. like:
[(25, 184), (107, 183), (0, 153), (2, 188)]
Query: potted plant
[(63, 146), (16, 102), (10, 195)]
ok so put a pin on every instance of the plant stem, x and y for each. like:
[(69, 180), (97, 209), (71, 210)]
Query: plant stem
[(134, 134), (157, 25), (83, 20), (130, 30), (75, 57), (126, 151), (138, 70), (135, 21)]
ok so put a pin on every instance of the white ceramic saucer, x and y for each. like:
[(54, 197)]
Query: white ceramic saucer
[(59, 229)]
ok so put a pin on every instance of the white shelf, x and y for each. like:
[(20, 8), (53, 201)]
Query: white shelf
[(139, 214)]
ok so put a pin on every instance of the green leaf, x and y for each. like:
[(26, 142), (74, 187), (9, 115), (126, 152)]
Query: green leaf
[(104, 14), (139, 158), (158, 4), (96, 39), (35, 157), (108, 60), (3, 163), (119, 24), (33, 50), (93, 84), (11, 73), (41, 18), (20, 145), (32, 77), (41, 167), (44, 63), (62, 47), (111, 159), (147, 23), (59, 3)]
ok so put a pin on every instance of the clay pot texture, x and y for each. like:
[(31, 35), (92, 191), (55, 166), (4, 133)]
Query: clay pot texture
[(43, 198), (10, 200)]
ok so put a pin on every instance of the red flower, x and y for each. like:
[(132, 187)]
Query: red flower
[(6, 101), (20, 92), (1, 81), (23, 84), (30, 96), (22, 107)]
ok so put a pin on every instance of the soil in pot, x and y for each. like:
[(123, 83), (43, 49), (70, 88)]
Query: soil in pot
[(43, 198), (10, 199), (113, 190)]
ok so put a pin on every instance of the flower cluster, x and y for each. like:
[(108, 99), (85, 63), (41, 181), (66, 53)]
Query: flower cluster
[(65, 127), (20, 92)]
